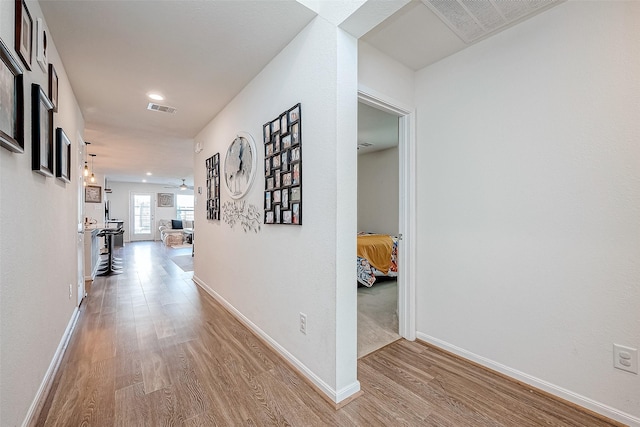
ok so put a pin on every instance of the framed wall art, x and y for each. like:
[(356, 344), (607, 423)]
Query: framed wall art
[(165, 200), (41, 131), (41, 45), (24, 33), (283, 168), (240, 165), (12, 102), (53, 87), (213, 186), (93, 194), (63, 156)]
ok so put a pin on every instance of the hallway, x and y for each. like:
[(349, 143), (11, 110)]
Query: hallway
[(152, 349)]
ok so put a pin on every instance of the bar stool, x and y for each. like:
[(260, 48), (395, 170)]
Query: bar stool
[(112, 264)]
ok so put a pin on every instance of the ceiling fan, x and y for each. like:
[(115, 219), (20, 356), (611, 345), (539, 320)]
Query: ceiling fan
[(182, 186)]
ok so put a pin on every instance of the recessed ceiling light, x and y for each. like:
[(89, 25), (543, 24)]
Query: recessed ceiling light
[(149, 174), (144, 180), (156, 97)]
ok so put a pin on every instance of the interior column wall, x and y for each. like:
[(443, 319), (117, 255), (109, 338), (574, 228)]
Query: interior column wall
[(271, 276)]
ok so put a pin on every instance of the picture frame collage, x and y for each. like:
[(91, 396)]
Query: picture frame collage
[(51, 148), (283, 168), (213, 187)]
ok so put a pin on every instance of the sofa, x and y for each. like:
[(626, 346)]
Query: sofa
[(172, 231)]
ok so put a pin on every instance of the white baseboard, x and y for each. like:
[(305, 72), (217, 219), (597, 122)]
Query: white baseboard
[(335, 396), (51, 371), (560, 392)]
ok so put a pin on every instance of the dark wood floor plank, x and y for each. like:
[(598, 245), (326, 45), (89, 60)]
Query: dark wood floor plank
[(153, 349)]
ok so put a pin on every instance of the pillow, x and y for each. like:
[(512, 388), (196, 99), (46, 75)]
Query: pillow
[(176, 224)]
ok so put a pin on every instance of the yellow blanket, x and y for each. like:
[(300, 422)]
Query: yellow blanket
[(377, 249)]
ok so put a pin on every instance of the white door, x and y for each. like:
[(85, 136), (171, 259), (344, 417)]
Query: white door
[(142, 214), (80, 225)]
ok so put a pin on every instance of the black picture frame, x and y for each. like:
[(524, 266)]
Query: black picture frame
[(53, 87), (63, 156), (12, 101), (213, 187), (24, 33), (283, 168), (41, 131)]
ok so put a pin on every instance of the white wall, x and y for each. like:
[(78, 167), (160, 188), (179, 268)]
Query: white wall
[(120, 198), (38, 257), (271, 276), (384, 77), (378, 191), (528, 202)]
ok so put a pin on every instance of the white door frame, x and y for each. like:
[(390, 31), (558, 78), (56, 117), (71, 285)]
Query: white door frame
[(406, 208), (152, 213), (80, 225)]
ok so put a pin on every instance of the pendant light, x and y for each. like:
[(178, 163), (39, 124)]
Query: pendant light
[(86, 164), (93, 177)]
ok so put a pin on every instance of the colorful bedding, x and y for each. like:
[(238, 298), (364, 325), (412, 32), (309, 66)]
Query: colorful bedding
[(377, 256)]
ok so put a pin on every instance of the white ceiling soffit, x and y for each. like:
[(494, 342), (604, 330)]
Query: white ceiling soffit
[(377, 130), (472, 20)]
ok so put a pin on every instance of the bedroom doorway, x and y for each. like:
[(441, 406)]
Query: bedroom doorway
[(385, 309)]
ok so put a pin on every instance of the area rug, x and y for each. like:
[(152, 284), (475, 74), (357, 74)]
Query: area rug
[(186, 245), (185, 262)]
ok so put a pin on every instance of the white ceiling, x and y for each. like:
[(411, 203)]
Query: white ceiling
[(416, 37), (198, 55), (376, 127)]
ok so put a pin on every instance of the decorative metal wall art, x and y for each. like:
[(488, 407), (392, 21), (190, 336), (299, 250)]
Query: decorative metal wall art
[(239, 211)]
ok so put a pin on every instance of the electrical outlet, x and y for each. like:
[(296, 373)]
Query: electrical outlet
[(70, 290), (303, 323), (625, 358)]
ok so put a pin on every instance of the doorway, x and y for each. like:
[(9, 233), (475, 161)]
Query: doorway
[(142, 217), (404, 217), (378, 228)]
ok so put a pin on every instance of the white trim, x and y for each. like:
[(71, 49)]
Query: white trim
[(51, 371), (553, 389), (335, 396), (406, 208)]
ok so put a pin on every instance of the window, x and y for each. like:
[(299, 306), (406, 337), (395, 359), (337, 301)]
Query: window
[(185, 207)]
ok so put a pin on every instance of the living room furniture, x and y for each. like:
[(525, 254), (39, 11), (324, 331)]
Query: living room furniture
[(173, 232)]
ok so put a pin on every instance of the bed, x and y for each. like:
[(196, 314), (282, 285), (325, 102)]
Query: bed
[(377, 256)]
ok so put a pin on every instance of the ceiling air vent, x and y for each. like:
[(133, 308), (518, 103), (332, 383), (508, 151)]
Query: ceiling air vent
[(474, 19), (162, 108)]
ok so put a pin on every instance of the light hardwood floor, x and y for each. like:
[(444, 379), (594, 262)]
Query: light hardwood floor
[(152, 349)]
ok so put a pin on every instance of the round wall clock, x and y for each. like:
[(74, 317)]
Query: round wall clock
[(240, 165)]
